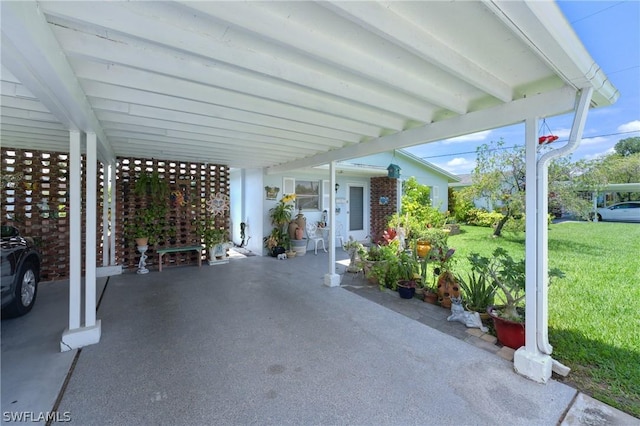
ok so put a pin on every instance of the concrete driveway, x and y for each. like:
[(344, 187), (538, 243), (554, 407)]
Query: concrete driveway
[(262, 341)]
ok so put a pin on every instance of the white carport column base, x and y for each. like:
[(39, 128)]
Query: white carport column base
[(332, 280), (80, 337), (535, 366)]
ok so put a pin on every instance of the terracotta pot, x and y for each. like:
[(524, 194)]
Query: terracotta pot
[(430, 297), (510, 333), (445, 302), (142, 241)]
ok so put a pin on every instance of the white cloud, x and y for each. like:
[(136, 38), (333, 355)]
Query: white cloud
[(457, 162), (479, 136), (632, 126), (458, 165), (599, 154)]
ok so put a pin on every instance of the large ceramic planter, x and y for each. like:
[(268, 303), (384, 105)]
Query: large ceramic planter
[(423, 248), (299, 246), (509, 333)]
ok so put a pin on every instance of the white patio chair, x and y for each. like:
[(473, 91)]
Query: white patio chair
[(314, 234)]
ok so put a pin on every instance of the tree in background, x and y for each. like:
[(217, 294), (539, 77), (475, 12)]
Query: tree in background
[(628, 146), (499, 179), (416, 212)]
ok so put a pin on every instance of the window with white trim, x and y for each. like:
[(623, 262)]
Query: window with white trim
[(309, 193)]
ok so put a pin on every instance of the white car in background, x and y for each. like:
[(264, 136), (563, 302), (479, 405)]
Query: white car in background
[(628, 211)]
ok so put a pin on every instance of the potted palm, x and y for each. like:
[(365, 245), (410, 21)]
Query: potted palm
[(508, 276), (280, 216), (478, 292)]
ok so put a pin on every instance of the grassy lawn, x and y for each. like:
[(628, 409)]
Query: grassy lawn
[(594, 312)]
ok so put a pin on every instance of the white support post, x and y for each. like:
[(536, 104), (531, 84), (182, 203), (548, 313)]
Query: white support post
[(106, 241), (114, 216), (331, 279), (76, 336), (75, 224), (90, 233), (528, 360)]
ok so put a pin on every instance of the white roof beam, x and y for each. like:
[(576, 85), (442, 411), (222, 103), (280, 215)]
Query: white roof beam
[(28, 115), (287, 27), (198, 36), (31, 51), (134, 96), (385, 22), (542, 105), (556, 44), (156, 83), (211, 142), (119, 111), (150, 148), (168, 128), (214, 74)]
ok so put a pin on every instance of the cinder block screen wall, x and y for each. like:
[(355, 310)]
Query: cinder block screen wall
[(35, 199), (386, 189), (190, 185)]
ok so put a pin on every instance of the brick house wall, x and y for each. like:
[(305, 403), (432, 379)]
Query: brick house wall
[(380, 212)]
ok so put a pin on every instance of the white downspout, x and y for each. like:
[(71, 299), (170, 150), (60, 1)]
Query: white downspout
[(542, 189)]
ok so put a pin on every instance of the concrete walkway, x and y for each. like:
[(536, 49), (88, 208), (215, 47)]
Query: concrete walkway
[(262, 341)]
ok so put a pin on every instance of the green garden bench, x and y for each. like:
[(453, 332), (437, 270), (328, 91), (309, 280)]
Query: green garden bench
[(163, 251)]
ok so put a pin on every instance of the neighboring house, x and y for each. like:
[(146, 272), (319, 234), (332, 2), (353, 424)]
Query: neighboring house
[(465, 181), (365, 196)]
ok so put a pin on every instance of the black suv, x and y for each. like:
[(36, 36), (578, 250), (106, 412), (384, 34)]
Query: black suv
[(20, 273)]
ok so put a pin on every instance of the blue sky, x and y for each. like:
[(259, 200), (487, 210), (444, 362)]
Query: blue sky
[(610, 32)]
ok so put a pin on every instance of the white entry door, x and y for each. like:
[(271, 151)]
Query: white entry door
[(357, 221)]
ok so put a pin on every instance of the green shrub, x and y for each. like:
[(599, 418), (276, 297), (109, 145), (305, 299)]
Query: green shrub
[(481, 217)]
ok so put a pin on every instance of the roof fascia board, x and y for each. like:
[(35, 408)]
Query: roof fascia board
[(544, 28), (546, 104), (31, 51), (451, 177)]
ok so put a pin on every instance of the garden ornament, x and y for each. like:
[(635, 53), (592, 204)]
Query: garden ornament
[(470, 319)]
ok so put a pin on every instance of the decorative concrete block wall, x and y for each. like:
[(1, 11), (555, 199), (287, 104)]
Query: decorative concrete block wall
[(190, 186), (35, 199)]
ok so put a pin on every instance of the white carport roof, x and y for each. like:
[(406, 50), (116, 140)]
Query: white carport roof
[(282, 85)]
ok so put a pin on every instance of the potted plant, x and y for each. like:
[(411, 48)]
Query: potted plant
[(278, 241), (405, 269), (213, 238), (381, 271), (148, 223), (508, 276), (479, 293)]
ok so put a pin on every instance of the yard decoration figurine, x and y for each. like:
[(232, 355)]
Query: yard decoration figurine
[(470, 319)]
